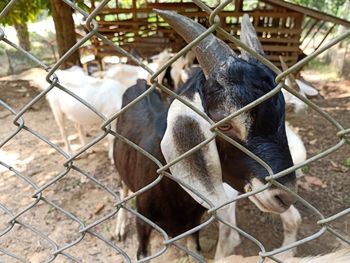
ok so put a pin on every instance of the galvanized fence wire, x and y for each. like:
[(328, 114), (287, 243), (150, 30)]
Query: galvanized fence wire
[(68, 165)]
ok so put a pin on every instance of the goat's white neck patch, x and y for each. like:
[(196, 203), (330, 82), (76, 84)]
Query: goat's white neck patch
[(201, 170)]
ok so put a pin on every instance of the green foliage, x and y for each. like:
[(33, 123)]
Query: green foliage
[(23, 11), (250, 5), (346, 162), (332, 7), (2, 49), (305, 169), (321, 65)]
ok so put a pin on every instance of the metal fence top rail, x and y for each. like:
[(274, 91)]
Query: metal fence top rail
[(16, 218)]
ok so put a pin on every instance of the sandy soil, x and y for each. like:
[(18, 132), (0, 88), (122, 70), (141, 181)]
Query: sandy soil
[(326, 186)]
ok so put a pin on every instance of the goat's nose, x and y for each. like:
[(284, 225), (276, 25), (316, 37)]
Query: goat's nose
[(285, 198)]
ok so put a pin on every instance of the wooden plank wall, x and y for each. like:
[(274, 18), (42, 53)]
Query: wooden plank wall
[(138, 27)]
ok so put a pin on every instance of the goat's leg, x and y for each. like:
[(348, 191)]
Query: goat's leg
[(198, 244), (59, 117), (122, 215), (82, 137), (176, 83), (81, 134), (192, 243), (143, 235), (228, 238), (110, 139), (291, 220)]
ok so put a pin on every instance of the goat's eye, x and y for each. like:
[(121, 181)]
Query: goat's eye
[(225, 127)]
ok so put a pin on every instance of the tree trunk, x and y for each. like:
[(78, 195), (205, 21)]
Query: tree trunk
[(10, 69), (338, 53), (65, 31), (341, 29), (23, 36)]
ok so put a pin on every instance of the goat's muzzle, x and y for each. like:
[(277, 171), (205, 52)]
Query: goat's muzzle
[(272, 200)]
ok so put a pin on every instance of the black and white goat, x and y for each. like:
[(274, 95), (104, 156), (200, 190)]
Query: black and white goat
[(226, 84), (229, 239), (182, 69)]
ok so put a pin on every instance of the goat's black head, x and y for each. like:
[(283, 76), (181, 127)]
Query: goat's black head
[(231, 83)]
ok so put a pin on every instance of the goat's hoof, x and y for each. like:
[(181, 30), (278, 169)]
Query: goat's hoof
[(120, 233), (84, 180), (141, 255), (121, 238), (89, 151), (191, 259), (287, 254)]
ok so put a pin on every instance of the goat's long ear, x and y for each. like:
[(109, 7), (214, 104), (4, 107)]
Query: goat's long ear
[(200, 170), (249, 37), (291, 81), (306, 89)]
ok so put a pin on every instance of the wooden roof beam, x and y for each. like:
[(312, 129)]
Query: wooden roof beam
[(310, 12)]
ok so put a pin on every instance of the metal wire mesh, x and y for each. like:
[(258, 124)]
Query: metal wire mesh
[(15, 218)]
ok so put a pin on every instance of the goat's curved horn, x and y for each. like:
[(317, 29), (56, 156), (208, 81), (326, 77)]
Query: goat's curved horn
[(210, 52), (249, 37)]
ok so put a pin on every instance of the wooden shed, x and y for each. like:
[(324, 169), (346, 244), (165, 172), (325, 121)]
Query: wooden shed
[(283, 28)]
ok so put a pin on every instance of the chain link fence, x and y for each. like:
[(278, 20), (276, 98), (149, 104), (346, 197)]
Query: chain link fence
[(15, 218)]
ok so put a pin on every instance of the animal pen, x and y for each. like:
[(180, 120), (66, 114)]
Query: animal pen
[(114, 30), (284, 29)]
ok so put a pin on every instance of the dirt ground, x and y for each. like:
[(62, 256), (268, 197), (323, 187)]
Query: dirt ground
[(326, 186)]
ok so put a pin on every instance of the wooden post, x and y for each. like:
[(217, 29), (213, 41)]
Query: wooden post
[(134, 18), (309, 30), (307, 23), (239, 5), (315, 33), (325, 36)]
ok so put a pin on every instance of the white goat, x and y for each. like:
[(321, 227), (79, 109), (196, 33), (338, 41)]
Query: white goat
[(176, 70), (303, 89), (179, 67), (128, 74), (105, 95)]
